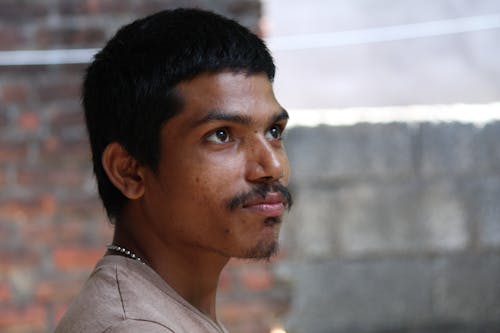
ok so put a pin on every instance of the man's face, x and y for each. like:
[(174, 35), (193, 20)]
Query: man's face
[(220, 182)]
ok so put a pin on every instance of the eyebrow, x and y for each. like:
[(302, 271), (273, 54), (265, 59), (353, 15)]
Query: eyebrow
[(217, 114), (283, 115)]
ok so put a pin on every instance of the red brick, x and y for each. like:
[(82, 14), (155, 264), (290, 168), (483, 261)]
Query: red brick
[(249, 316), (15, 92), (27, 207), (103, 229), (59, 312), (243, 8), (257, 277), (225, 281), (67, 233), (59, 88), (73, 37), (5, 294), (12, 38), (114, 7), (29, 120), (76, 258), (80, 204), (15, 11), (39, 231), (149, 7), (29, 72), (68, 177), (71, 7), (55, 152), (58, 291), (248, 325), (51, 144), (3, 115), (44, 291), (38, 234), (14, 260), (30, 318), (109, 6), (13, 207), (48, 203), (76, 133), (12, 152), (65, 114), (236, 263), (8, 230), (3, 178), (71, 232), (233, 310)]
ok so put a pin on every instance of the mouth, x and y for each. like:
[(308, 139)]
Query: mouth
[(272, 205)]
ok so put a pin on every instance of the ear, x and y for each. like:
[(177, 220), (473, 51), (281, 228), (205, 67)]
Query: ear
[(123, 170)]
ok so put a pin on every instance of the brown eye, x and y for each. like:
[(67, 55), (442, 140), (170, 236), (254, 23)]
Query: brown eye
[(220, 135), (274, 133)]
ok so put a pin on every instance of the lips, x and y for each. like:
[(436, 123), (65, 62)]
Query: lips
[(272, 205)]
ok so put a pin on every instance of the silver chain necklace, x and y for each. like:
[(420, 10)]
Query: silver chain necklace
[(126, 252)]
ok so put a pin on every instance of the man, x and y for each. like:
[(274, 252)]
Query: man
[(186, 139)]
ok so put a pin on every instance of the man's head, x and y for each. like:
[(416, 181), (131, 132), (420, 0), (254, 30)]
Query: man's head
[(129, 90), (183, 125)]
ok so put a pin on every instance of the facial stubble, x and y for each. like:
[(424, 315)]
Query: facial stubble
[(265, 250)]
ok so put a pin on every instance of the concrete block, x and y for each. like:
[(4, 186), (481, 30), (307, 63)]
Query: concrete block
[(402, 217), (359, 151), (310, 231), (487, 149), (489, 215), (446, 149), (481, 197), (467, 288), (360, 296)]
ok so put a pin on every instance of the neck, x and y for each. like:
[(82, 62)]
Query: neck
[(194, 277), (191, 272)]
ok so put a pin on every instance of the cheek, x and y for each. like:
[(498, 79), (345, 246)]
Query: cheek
[(209, 190), (214, 186), (286, 167), (206, 180), (221, 169)]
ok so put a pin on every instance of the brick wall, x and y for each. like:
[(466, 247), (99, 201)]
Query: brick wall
[(52, 226)]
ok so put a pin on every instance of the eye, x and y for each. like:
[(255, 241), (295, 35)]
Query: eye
[(274, 133), (220, 135)]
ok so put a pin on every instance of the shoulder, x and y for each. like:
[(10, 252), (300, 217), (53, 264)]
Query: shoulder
[(123, 295), (133, 326), (98, 304)]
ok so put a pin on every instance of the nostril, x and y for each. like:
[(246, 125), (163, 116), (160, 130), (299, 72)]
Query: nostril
[(265, 180)]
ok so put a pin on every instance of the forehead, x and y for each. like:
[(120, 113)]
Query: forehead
[(226, 82), (230, 92)]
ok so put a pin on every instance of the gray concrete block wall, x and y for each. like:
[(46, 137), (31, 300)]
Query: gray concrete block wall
[(396, 228), (454, 293), (348, 153)]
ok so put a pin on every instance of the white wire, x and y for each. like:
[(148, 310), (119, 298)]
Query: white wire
[(46, 57), (385, 34)]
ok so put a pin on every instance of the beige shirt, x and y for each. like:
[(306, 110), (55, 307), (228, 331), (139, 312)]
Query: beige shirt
[(124, 295)]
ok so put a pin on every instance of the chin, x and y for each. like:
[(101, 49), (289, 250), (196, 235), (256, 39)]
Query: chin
[(264, 250)]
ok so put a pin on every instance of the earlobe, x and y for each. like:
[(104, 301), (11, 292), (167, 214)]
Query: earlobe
[(123, 171)]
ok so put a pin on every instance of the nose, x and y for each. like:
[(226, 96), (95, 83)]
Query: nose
[(266, 163)]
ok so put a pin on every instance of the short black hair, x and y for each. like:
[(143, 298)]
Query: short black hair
[(129, 90)]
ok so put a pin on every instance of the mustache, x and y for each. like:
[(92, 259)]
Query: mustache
[(262, 191)]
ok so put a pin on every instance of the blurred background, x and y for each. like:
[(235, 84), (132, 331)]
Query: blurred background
[(394, 148)]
